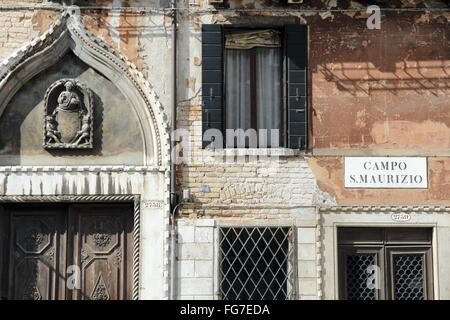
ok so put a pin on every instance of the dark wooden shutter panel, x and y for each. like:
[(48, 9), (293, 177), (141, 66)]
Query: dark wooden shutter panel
[(212, 79), (296, 46)]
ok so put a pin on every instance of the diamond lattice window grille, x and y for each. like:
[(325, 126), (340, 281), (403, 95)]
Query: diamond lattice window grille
[(257, 263)]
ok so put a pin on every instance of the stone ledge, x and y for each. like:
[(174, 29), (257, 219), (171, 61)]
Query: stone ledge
[(367, 152), (384, 209), (280, 152), (112, 168)]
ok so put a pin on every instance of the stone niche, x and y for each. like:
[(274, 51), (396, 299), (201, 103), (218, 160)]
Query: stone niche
[(115, 130)]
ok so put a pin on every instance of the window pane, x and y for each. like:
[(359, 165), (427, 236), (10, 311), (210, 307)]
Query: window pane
[(238, 103), (408, 277), (358, 278), (268, 90)]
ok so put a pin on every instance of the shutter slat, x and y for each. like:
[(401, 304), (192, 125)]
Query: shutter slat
[(212, 79), (296, 42)]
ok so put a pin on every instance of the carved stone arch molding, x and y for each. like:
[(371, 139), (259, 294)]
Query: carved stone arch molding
[(68, 33)]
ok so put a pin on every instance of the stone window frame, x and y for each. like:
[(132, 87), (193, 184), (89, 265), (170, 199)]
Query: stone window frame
[(294, 295)]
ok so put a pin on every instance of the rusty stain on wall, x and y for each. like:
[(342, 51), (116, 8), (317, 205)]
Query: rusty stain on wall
[(390, 134), (385, 83), (42, 19), (124, 36)]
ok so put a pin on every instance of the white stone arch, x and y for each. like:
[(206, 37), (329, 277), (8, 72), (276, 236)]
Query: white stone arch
[(68, 33)]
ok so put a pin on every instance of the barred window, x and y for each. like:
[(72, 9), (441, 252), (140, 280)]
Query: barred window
[(257, 263)]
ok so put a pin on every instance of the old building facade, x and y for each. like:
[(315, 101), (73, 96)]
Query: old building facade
[(338, 186)]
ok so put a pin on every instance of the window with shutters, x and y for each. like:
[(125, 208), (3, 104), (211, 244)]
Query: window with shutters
[(254, 87), (385, 263)]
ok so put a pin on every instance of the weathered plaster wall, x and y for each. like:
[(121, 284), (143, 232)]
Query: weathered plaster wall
[(390, 87), (370, 90)]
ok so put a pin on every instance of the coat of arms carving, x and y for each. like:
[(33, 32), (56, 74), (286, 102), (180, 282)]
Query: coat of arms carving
[(68, 122)]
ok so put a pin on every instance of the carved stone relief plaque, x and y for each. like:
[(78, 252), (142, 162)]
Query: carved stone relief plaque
[(68, 122)]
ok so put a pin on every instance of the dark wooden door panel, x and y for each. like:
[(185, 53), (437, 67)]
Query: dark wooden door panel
[(39, 242), (4, 253), (103, 249), (36, 254)]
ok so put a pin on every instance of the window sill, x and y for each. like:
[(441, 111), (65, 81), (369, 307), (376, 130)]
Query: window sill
[(280, 152)]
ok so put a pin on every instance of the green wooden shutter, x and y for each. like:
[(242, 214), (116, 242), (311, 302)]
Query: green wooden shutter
[(212, 80), (296, 46)]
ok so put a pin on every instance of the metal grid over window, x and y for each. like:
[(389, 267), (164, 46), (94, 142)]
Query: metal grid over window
[(408, 277), (257, 263), (358, 277)]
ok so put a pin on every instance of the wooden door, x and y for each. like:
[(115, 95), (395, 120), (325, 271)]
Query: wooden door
[(36, 253), (101, 239), (44, 248)]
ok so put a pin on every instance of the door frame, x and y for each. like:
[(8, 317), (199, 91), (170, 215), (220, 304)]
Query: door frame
[(79, 199), (386, 249)]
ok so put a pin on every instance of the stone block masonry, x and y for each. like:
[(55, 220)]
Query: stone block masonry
[(195, 265)]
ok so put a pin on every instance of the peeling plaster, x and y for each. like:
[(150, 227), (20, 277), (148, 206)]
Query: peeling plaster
[(409, 134), (41, 20), (114, 23)]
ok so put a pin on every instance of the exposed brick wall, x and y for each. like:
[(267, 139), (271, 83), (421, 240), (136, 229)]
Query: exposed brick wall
[(18, 27), (16, 30), (276, 183)]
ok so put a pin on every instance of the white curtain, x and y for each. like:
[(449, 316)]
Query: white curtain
[(267, 82), (268, 88), (238, 91)]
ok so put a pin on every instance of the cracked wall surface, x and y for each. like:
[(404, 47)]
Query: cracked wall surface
[(374, 91)]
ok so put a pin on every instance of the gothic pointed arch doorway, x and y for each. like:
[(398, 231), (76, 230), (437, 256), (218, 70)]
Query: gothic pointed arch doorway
[(84, 166)]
